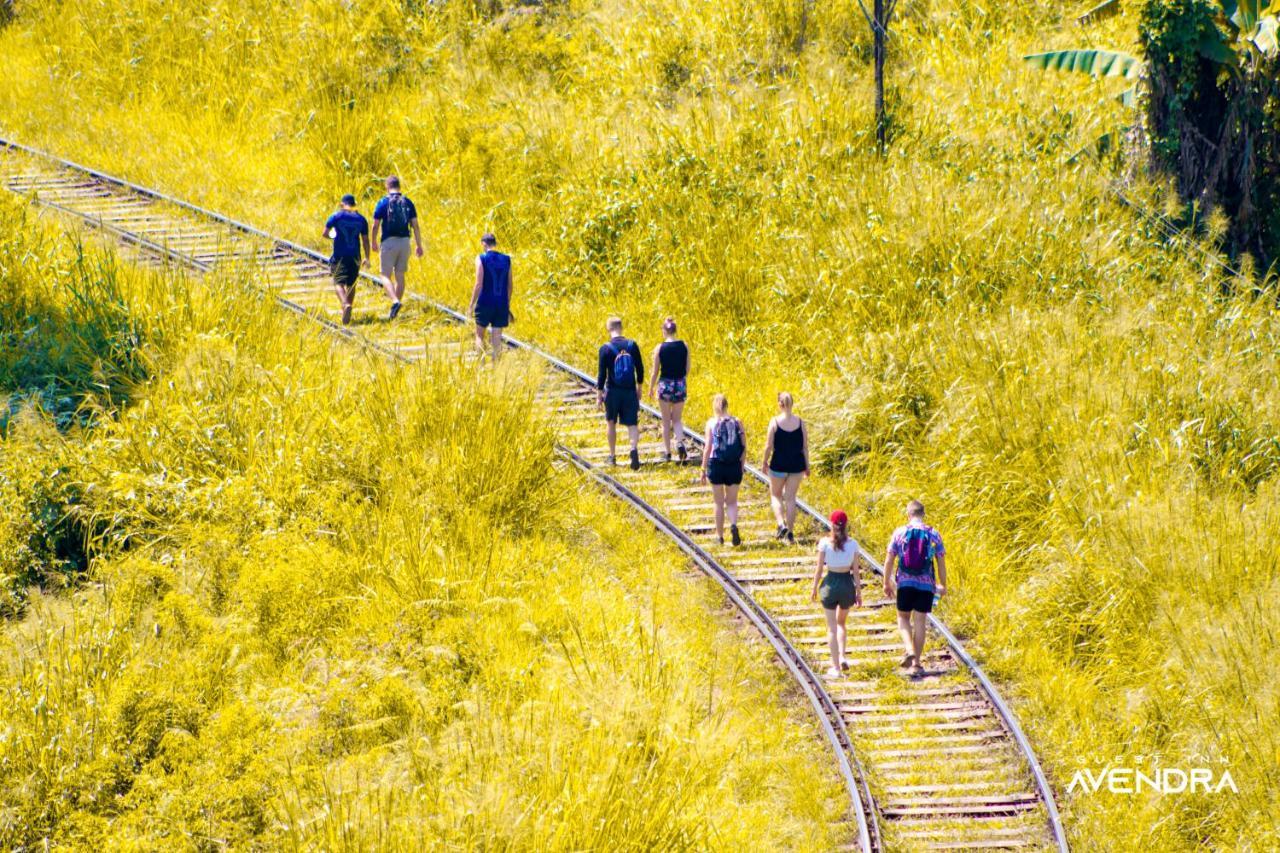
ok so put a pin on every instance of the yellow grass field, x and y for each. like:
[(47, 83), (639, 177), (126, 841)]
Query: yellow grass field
[(1090, 411), (311, 623)]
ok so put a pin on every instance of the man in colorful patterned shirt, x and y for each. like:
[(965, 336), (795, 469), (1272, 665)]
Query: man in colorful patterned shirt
[(918, 551)]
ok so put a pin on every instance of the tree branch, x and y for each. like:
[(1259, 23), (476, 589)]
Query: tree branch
[(870, 20)]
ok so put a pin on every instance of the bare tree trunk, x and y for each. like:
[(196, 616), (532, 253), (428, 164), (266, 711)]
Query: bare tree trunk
[(878, 32), (802, 31)]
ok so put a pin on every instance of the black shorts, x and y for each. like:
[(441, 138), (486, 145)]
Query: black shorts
[(724, 473), (622, 405), (492, 318), (910, 598), (346, 271)]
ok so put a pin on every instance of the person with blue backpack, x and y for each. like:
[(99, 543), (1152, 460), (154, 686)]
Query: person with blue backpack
[(491, 297), (724, 455), (920, 577), (619, 375), (349, 231), (394, 218)]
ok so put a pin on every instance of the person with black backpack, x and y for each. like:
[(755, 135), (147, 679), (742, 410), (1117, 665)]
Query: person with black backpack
[(724, 454), (919, 553), (619, 375), (395, 216)]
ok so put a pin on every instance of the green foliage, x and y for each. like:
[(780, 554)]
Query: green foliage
[(1095, 63), (1174, 35), (74, 350), (1085, 410), (43, 533), (335, 603), (1210, 113), (1209, 76)]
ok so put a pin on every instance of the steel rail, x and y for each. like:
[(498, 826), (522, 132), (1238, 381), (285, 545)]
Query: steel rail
[(1007, 718), (164, 250), (1006, 715), (828, 714), (830, 719)]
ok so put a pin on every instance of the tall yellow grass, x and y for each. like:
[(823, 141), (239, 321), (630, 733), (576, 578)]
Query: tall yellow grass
[(1090, 412), (335, 604)]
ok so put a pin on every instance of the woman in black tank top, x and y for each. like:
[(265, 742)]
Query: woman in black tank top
[(673, 359), (786, 459), (670, 368)]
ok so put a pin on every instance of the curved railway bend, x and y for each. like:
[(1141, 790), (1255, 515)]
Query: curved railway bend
[(938, 763)]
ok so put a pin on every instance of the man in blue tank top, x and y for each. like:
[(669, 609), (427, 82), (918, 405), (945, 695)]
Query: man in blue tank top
[(491, 297)]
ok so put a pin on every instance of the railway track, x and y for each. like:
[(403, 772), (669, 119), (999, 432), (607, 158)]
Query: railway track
[(934, 763)]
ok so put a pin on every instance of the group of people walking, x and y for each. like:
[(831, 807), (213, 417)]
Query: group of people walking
[(914, 567), (395, 218), (620, 374), (914, 572), (395, 222)]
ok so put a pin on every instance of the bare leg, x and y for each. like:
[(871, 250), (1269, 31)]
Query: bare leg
[(677, 421), (346, 297), (790, 489), (841, 615), (399, 286), (666, 425), (833, 642), (480, 340), (717, 494), (731, 503), (495, 341), (634, 433), (904, 629), (388, 283), (919, 621), (775, 500), (611, 429)]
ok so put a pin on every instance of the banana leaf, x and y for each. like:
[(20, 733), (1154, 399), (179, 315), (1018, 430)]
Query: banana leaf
[(1097, 63)]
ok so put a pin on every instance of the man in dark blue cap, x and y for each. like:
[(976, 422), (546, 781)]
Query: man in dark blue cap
[(349, 231)]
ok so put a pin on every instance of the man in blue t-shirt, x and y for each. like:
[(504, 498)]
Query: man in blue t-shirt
[(393, 218), (491, 297), (349, 232)]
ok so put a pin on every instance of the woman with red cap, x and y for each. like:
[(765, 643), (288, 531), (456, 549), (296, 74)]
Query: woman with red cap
[(841, 589)]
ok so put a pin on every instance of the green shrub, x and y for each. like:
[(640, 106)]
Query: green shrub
[(44, 536)]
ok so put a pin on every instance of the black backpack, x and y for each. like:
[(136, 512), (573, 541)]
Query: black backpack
[(727, 445), (397, 220)]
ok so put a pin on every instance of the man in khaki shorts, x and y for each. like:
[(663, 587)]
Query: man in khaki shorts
[(394, 217)]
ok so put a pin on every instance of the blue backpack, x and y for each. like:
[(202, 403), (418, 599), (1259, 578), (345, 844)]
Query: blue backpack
[(624, 366), (916, 557)]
